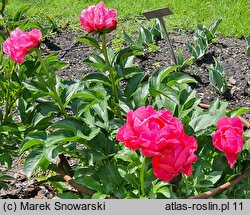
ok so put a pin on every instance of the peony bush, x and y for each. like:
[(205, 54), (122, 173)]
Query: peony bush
[(131, 136)]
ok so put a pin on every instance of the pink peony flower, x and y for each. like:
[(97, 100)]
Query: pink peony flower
[(180, 160), (159, 135), (19, 43), (129, 133), (228, 138), (98, 18)]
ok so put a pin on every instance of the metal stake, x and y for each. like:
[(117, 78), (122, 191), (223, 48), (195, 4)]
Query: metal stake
[(159, 14), (167, 38)]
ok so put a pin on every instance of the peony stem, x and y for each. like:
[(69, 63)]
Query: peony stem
[(186, 183), (56, 96), (111, 74), (112, 77), (41, 60), (9, 103), (142, 176)]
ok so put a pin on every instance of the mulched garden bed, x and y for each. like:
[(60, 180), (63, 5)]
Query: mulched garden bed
[(230, 52)]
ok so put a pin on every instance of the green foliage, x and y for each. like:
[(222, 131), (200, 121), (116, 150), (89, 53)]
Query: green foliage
[(3, 179), (146, 38), (80, 119), (203, 37)]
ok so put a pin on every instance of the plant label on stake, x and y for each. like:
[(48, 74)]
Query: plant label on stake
[(159, 14)]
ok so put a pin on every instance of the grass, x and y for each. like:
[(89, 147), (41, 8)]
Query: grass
[(187, 14)]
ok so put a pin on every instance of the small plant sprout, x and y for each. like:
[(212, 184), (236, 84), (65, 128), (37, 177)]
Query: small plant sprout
[(217, 77)]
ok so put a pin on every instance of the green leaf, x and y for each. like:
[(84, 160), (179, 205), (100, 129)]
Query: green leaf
[(52, 22), (214, 176), (66, 196), (220, 163), (141, 95), (93, 64), (158, 76), (218, 109), (214, 27), (61, 136), (35, 85), (6, 177), (89, 182), (133, 84), (99, 195), (80, 106), (70, 124), (18, 15), (165, 191), (32, 161), (204, 184), (72, 88), (128, 39), (30, 144), (51, 153), (180, 59), (188, 102), (86, 95), (216, 77), (97, 77), (202, 122), (96, 61), (147, 37), (128, 155), (179, 78), (9, 128), (129, 72), (102, 111), (246, 145), (30, 24), (3, 185), (248, 51), (123, 55), (247, 133), (165, 91), (110, 177), (215, 112), (53, 64), (90, 41), (238, 112), (6, 160)]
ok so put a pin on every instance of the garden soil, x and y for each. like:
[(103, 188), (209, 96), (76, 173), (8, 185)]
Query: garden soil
[(231, 53)]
